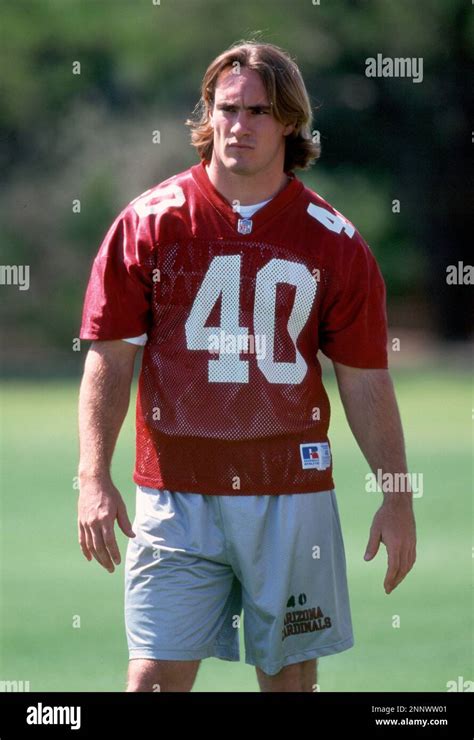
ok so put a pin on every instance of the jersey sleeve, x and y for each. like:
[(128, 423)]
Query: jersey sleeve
[(353, 325), (117, 302)]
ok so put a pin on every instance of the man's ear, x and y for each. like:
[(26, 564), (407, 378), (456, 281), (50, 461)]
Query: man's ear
[(289, 129)]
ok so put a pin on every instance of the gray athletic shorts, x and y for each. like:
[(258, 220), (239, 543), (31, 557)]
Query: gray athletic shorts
[(198, 561)]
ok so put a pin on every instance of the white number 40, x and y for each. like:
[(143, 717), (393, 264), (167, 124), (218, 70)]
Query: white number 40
[(223, 278)]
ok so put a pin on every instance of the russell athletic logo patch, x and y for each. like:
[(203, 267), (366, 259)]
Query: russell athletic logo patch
[(315, 455)]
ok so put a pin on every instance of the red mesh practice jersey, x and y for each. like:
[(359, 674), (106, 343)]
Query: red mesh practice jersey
[(230, 397)]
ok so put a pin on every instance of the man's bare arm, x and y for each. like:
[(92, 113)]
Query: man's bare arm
[(103, 403), (372, 411)]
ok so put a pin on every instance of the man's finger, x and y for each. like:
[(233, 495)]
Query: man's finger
[(399, 578), (392, 571), (373, 543), (406, 564), (100, 552), (88, 539), (111, 543), (82, 542), (123, 520)]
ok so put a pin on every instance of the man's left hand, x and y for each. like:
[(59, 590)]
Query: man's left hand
[(394, 525)]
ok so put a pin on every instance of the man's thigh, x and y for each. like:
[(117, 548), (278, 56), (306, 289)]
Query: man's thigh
[(288, 553), (181, 596)]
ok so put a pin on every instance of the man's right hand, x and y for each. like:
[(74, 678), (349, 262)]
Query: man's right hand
[(99, 504)]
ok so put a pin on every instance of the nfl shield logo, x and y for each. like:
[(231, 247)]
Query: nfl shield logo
[(244, 225)]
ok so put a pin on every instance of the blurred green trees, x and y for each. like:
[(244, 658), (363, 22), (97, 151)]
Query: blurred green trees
[(88, 136)]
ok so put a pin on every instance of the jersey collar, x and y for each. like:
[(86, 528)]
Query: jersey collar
[(291, 191)]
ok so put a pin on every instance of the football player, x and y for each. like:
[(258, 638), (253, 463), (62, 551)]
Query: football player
[(232, 275)]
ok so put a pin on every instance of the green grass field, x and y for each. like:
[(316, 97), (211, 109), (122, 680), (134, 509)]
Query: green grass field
[(47, 585)]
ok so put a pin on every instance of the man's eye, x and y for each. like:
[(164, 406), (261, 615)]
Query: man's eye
[(232, 109)]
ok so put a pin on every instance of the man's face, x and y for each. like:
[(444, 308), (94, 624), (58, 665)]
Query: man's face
[(247, 138)]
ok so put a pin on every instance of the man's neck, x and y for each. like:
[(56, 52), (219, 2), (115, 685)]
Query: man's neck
[(247, 190)]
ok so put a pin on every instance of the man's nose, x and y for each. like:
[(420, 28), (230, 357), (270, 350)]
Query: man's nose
[(240, 124)]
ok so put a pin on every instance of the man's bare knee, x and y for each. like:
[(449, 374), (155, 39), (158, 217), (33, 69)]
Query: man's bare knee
[(161, 675)]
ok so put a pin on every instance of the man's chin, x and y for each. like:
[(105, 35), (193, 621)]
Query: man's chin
[(238, 167)]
